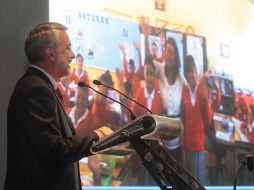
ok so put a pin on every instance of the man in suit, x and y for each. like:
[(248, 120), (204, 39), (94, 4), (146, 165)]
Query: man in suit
[(43, 149)]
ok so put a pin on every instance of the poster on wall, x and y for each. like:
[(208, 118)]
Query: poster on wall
[(97, 38), (196, 46)]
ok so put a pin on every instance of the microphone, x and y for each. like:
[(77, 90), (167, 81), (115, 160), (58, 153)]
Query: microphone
[(248, 161), (135, 129), (97, 82), (82, 84), (146, 127)]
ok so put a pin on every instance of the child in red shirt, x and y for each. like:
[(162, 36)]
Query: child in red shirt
[(194, 114)]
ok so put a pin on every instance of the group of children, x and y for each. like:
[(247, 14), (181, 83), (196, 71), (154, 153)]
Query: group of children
[(159, 85), (167, 93)]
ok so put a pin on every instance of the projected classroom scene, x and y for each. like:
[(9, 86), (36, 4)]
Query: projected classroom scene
[(165, 71)]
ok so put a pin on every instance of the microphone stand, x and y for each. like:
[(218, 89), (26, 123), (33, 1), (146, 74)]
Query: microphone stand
[(164, 169), (248, 161)]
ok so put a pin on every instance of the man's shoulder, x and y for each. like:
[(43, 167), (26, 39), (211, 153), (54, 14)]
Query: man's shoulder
[(30, 81), (27, 87)]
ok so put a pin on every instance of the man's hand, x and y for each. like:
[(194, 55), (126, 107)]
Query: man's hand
[(103, 132)]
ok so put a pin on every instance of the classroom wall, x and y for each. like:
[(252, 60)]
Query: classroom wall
[(226, 22)]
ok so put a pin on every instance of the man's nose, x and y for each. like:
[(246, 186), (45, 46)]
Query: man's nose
[(72, 55)]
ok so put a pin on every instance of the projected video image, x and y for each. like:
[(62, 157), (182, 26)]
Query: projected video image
[(138, 60), (162, 69)]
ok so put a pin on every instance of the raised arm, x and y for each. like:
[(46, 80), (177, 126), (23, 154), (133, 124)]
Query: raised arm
[(145, 29), (125, 63), (140, 72)]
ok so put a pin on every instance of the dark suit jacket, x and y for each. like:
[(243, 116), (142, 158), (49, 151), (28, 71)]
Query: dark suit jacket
[(42, 147)]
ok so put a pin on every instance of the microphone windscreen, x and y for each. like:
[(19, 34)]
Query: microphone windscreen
[(97, 82), (250, 163), (82, 84)]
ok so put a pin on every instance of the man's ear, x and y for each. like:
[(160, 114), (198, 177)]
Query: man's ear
[(50, 54)]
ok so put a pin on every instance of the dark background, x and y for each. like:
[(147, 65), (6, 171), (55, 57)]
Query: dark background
[(16, 19)]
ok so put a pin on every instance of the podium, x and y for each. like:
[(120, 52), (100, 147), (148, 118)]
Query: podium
[(144, 136)]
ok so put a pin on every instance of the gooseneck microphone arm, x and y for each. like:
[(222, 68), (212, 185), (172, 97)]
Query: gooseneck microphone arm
[(82, 84), (97, 82)]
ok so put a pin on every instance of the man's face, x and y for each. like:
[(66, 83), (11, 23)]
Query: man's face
[(64, 55)]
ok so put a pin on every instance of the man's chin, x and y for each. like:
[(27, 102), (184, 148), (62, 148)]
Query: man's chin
[(66, 73)]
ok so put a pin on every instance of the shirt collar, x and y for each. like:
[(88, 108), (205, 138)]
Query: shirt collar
[(79, 75), (72, 115), (52, 80), (149, 95), (192, 94)]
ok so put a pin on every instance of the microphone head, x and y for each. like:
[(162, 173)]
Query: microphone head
[(249, 160), (97, 82), (82, 84), (133, 117)]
